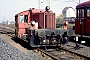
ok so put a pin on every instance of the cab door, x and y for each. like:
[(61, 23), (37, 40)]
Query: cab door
[(77, 22), (82, 21), (16, 25)]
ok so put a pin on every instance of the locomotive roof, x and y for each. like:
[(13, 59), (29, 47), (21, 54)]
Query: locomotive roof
[(83, 4), (33, 11)]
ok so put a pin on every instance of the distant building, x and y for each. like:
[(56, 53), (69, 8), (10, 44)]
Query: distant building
[(69, 14), (8, 22)]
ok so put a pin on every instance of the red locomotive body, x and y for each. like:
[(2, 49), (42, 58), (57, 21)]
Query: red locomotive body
[(82, 22), (44, 19), (44, 33)]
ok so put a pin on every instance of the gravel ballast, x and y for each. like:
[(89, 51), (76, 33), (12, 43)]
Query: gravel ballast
[(9, 52)]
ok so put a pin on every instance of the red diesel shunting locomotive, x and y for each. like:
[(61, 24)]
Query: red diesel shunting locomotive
[(38, 26)]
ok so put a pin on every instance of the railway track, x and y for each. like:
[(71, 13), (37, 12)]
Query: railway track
[(53, 54), (8, 31), (61, 54)]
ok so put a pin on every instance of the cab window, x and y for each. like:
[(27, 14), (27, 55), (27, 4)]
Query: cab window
[(88, 12), (23, 18), (26, 18), (82, 15)]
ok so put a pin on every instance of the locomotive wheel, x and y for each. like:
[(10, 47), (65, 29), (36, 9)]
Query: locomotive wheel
[(63, 40), (36, 41)]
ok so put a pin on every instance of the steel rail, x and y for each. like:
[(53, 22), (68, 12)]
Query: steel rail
[(76, 54), (49, 55)]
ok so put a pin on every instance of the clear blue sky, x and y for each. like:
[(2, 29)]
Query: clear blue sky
[(8, 8)]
